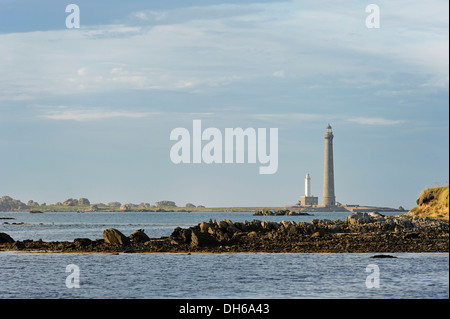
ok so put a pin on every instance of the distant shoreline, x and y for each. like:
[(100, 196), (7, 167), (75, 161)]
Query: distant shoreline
[(8, 204), (87, 209)]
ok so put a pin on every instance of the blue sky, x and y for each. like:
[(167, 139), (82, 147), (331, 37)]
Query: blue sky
[(88, 112)]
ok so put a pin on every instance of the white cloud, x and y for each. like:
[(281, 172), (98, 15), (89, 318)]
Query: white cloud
[(374, 121), (86, 115), (199, 50), (278, 74), (82, 71)]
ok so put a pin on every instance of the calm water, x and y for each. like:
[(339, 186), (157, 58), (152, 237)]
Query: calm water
[(40, 275)]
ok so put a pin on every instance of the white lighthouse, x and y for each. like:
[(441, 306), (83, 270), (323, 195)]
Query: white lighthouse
[(307, 185), (308, 199)]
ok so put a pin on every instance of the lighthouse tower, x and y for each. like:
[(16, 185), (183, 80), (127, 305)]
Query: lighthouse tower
[(308, 200), (329, 198), (307, 186)]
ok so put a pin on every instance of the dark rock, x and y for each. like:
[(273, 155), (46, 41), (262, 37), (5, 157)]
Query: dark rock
[(199, 239), (18, 245), (139, 236), (383, 256), (82, 242), (5, 239)]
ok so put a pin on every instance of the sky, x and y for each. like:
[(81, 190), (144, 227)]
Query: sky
[(88, 112)]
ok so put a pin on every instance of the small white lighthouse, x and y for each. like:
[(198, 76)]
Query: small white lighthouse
[(307, 186), (308, 199)]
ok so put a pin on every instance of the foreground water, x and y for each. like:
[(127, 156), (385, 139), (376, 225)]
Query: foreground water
[(43, 275), (28, 275)]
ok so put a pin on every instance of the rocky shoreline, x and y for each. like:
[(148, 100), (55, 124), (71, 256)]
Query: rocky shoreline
[(360, 232), (280, 212)]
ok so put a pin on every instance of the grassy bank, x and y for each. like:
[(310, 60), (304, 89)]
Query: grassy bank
[(432, 202)]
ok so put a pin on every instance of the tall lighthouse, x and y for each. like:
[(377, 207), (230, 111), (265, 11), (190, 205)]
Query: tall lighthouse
[(329, 199)]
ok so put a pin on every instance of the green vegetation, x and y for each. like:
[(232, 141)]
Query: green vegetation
[(432, 202)]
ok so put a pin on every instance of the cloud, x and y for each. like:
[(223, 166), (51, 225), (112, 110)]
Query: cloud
[(374, 121), (203, 49), (86, 115), (278, 74)]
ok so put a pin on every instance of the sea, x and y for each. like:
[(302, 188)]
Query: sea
[(37, 275)]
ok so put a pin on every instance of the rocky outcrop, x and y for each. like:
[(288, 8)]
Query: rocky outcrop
[(144, 206), (360, 232), (280, 212), (5, 239), (114, 237), (166, 203), (32, 203), (9, 204), (83, 202), (70, 202)]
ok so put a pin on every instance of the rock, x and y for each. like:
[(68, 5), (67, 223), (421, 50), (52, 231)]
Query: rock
[(199, 239), (83, 202), (114, 237), (359, 218), (190, 205), (222, 224), (383, 256), (376, 215), (33, 211), (125, 208), (9, 204), (144, 205), (93, 208), (204, 226), (5, 239), (165, 203), (139, 236), (32, 203), (18, 245), (114, 204), (180, 234), (70, 202), (82, 242)]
